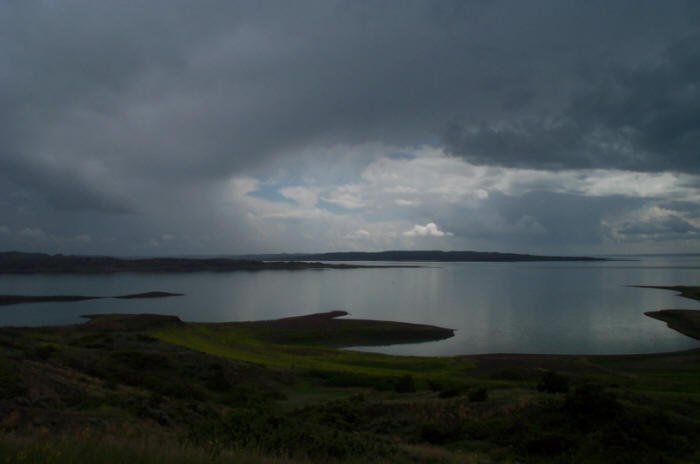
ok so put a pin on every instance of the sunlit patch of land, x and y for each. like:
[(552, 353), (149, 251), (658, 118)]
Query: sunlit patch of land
[(309, 342)]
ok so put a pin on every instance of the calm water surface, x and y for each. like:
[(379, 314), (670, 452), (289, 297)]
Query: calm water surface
[(495, 307)]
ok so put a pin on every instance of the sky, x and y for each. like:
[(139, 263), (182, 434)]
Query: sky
[(221, 127)]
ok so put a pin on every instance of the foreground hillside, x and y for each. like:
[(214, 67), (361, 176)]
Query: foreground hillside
[(144, 388)]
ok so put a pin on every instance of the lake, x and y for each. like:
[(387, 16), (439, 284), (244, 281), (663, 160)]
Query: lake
[(546, 307)]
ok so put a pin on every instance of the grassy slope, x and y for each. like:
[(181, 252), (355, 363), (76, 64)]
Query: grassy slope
[(252, 392), (308, 342)]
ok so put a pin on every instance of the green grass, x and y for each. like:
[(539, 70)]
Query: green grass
[(244, 344), (258, 392)]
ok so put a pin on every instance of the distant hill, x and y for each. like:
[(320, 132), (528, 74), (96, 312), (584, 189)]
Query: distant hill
[(419, 255), (14, 262), (28, 263)]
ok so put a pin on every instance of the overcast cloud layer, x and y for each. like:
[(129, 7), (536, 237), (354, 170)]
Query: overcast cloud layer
[(188, 127)]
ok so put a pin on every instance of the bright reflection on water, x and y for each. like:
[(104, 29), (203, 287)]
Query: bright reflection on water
[(495, 307)]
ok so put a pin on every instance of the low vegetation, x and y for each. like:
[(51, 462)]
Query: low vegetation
[(197, 387), (143, 389)]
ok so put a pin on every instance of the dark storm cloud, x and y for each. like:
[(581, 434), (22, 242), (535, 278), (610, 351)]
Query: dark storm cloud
[(672, 227), (643, 118), (59, 187), (542, 219), (212, 87), (148, 107)]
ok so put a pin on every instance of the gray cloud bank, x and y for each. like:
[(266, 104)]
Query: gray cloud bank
[(644, 118), (122, 122)]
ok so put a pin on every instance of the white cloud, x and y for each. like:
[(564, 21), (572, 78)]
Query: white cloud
[(239, 186), (652, 223), (600, 183), (395, 200), (404, 202), (236, 196), (434, 179), (348, 196), (429, 230), (359, 233), (303, 196)]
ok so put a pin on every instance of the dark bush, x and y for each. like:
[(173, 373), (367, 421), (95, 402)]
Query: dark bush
[(478, 394), (217, 379), (591, 404), (405, 384), (441, 432), (289, 435), (553, 382), (435, 386), (351, 379), (140, 360), (551, 443), (10, 384), (43, 352), (450, 393)]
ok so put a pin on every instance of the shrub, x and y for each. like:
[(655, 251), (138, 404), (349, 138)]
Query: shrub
[(553, 382), (405, 384), (478, 394), (288, 435), (43, 352), (591, 404), (450, 393), (441, 432), (10, 383)]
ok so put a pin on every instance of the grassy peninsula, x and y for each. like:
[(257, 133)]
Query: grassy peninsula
[(685, 321), (151, 388)]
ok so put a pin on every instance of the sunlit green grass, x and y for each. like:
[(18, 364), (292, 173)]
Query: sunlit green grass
[(245, 344)]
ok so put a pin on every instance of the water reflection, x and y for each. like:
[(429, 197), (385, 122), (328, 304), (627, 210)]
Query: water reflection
[(495, 307)]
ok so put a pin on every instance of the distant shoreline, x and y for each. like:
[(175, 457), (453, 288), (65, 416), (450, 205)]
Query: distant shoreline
[(40, 263), (35, 263), (417, 256)]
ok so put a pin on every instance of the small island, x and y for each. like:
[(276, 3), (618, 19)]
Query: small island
[(19, 299)]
